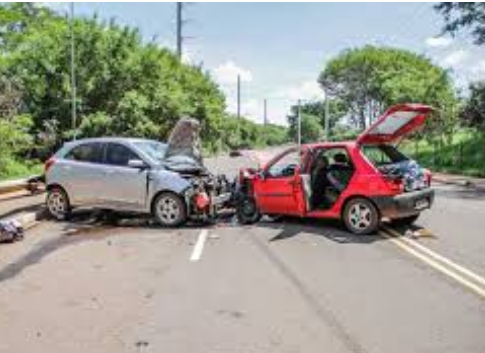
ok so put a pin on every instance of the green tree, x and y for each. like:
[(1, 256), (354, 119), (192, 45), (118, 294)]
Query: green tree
[(474, 110), (370, 79), (464, 15)]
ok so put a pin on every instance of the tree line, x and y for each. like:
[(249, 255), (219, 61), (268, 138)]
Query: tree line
[(126, 86)]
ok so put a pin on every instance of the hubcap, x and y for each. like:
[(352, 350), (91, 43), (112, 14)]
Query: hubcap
[(360, 216), (57, 204), (168, 210)]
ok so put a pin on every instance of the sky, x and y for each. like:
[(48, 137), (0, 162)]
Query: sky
[(279, 49)]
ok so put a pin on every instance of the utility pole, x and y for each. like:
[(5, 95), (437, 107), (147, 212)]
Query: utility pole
[(327, 116), (238, 96), (179, 29), (299, 121), (265, 108), (73, 73)]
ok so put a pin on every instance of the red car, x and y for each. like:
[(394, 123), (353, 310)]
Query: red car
[(360, 182)]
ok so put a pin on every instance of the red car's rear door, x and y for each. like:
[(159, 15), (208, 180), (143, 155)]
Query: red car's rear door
[(396, 123)]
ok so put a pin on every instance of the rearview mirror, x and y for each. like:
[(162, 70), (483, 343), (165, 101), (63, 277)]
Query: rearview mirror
[(137, 164)]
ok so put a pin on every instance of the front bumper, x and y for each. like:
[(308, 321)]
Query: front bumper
[(404, 205)]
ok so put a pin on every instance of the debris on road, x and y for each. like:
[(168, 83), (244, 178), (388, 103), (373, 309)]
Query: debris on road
[(11, 231)]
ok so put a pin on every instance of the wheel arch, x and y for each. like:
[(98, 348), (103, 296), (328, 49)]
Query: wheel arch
[(167, 191)]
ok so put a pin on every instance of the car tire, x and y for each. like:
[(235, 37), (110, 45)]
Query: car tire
[(247, 211), (169, 210), (58, 204), (361, 217), (405, 221)]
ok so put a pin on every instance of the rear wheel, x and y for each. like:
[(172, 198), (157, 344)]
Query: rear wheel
[(169, 210), (361, 216), (247, 211), (405, 221), (57, 203)]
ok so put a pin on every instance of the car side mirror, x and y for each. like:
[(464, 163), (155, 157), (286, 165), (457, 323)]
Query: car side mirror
[(137, 164), (263, 174)]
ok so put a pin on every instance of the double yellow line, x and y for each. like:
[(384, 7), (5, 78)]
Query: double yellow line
[(460, 274)]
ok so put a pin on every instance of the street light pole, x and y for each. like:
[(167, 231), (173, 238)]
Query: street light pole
[(73, 73), (299, 121), (327, 116)]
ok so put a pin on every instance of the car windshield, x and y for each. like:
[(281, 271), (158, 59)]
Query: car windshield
[(381, 155), (153, 149)]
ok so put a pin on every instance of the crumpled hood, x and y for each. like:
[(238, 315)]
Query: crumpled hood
[(184, 148)]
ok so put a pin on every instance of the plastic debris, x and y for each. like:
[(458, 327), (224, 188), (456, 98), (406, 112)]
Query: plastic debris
[(11, 231)]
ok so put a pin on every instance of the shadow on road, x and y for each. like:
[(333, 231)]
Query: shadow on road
[(460, 192), (330, 229)]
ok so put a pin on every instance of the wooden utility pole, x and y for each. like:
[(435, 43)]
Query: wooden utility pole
[(180, 37)]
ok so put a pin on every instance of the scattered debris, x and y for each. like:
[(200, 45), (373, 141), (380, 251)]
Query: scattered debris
[(11, 231)]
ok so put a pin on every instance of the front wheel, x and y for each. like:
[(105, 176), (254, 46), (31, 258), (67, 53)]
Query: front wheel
[(57, 203), (361, 216), (169, 210), (247, 211)]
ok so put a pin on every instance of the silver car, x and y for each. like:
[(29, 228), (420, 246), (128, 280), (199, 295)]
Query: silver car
[(168, 181)]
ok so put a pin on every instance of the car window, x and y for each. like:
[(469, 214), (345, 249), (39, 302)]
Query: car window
[(119, 155), (153, 149), (286, 165), (88, 152), (381, 155)]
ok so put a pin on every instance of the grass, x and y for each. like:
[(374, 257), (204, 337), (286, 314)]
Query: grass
[(11, 169), (464, 154)]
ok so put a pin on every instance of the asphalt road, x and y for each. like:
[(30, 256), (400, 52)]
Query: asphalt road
[(279, 286)]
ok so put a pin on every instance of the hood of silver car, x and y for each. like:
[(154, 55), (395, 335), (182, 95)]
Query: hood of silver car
[(184, 148)]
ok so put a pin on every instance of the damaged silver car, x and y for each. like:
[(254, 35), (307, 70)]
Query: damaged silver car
[(168, 181)]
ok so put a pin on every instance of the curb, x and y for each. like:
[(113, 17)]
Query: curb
[(464, 183)]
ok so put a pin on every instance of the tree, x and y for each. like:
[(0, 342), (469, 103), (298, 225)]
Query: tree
[(474, 110), (370, 79), (311, 127), (464, 15)]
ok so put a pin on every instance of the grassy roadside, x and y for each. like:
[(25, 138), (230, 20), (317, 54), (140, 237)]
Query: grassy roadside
[(463, 155), (13, 169)]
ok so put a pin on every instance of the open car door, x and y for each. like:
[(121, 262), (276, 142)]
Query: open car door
[(396, 123)]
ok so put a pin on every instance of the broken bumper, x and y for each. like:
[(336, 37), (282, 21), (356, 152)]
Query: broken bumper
[(404, 205)]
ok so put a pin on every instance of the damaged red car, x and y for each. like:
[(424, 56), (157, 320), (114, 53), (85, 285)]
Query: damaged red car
[(360, 182)]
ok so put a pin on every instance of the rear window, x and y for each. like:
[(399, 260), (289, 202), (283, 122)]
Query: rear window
[(381, 155), (88, 153)]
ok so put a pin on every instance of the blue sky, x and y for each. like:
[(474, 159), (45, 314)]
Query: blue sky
[(279, 48)]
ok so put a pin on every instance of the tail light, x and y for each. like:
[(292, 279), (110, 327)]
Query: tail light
[(395, 184), (50, 162), (428, 176)]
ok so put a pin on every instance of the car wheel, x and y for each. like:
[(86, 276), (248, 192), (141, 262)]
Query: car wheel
[(405, 221), (247, 211), (57, 203), (361, 216), (169, 210)]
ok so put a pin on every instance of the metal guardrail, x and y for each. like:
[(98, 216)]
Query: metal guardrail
[(32, 184)]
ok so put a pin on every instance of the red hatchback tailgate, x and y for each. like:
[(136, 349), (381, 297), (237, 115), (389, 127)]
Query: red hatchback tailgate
[(397, 122)]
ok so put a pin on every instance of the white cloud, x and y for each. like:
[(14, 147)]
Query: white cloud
[(227, 73), (307, 90), (455, 59), (441, 42), (479, 68)]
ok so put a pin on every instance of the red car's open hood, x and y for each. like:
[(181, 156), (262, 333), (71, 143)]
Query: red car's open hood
[(397, 122)]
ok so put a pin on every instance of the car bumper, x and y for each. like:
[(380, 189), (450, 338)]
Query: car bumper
[(404, 205)]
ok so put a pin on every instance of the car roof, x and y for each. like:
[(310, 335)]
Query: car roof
[(109, 139), (331, 144)]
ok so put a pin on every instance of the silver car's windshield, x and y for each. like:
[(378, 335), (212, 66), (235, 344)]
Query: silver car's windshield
[(153, 149)]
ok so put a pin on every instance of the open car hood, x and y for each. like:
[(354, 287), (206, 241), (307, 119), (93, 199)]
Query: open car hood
[(184, 151), (397, 122)]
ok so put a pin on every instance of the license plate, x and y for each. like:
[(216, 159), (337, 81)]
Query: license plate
[(420, 204)]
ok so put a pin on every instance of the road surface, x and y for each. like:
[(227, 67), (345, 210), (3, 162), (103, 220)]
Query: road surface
[(279, 286)]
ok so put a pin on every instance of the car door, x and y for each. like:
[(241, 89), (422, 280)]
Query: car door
[(81, 173), (278, 189), (125, 187)]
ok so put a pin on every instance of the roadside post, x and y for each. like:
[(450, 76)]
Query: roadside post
[(299, 122)]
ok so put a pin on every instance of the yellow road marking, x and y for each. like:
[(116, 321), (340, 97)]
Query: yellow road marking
[(453, 272)]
